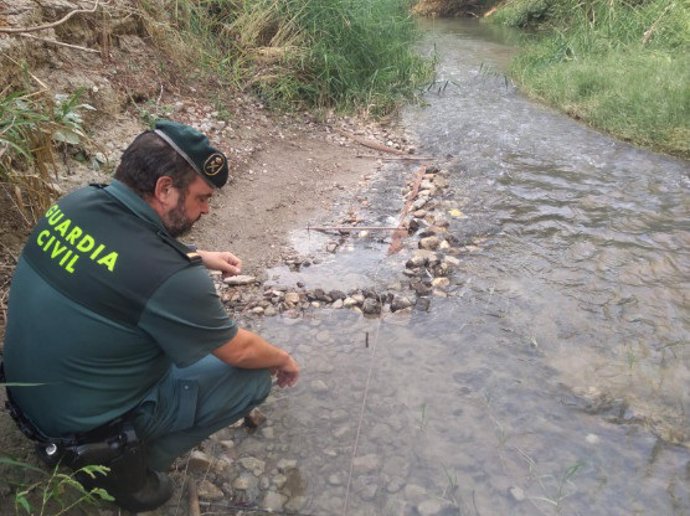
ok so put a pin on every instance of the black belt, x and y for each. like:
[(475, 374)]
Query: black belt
[(104, 441)]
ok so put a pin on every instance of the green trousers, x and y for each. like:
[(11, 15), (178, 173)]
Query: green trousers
[(191, 403)]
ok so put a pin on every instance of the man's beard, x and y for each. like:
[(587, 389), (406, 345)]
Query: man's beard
[(176, 221)]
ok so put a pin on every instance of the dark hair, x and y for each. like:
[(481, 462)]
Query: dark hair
[(149, 157)]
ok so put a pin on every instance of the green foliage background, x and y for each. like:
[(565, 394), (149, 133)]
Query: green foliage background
[(620, 65)]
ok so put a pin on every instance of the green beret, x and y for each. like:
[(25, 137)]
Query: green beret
[(194, 147)]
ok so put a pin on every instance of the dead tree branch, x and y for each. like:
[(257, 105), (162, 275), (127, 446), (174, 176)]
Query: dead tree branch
[(50, 25)]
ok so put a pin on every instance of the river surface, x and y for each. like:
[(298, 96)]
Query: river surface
[(554, 378)]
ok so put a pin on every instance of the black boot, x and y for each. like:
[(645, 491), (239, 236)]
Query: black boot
[(157, 490)]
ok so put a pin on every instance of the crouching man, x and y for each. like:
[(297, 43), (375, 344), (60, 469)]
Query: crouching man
[(120, 326)]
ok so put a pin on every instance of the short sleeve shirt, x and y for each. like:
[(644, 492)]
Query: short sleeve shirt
[(91, 369)]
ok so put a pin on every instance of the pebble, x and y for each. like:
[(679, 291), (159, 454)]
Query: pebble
[(440, 282), (371, 307), (429, 243), (517, 493), (366, 463), (239, 280), (208, 491), (319, 386), (285, 465), (254, 465), (199, 461), (273, 502)]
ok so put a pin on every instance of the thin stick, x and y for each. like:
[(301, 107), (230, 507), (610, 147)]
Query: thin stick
[(361, 417), (50, 25), (194, 509), (368, 143), (406, 157), (396, 240), (59, 43), (352, 228)]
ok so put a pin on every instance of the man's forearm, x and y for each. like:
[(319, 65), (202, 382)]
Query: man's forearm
[(250, 351)]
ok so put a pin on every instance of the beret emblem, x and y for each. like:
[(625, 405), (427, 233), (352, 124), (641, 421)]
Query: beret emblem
[(214, 164)]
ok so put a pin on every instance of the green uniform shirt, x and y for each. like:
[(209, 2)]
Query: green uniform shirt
[(99, 341)]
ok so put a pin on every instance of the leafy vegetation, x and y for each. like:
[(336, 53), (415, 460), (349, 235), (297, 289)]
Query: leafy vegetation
[(620, 65), (53, 492), (32, 126), (347, 54)]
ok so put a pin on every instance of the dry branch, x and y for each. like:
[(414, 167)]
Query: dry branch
[(50, 25), (352, 228), (368, 143), (60, 43), (406, 157)]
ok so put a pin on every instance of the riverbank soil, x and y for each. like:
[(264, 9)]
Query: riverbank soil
[(286, 170)]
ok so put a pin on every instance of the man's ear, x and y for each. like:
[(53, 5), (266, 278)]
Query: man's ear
[(163, 191)]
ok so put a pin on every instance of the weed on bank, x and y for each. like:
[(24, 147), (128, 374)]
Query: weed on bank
[(348, 55), (620, 66)]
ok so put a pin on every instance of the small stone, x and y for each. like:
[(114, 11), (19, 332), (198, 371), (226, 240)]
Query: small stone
[(592, 439), (400, 303), (517, 493), (335, 480), (254, 419), (199, 461), (395, 485), (435, 507), (285, 465), (419, 203), (349, 302), (292, 298), (257, 310), (208, 491), (442, 282), (337, 294), (253, 464), (279, 480), (331, 247), (273, 502), (429, 243), (239, 280), (337, 304), (296, 504), (371, 307), (319, 386), (451, 261), (366, 463)]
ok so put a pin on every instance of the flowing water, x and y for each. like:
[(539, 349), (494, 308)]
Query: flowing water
[(554, 379)]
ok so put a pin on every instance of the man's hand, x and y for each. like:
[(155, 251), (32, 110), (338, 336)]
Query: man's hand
[(287, 374), (223, 261), (250, 351)]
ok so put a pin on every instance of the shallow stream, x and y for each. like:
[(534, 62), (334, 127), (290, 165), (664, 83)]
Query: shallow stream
[(554, 377)]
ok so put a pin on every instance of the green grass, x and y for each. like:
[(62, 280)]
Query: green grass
[(348, 55), (623, 67)]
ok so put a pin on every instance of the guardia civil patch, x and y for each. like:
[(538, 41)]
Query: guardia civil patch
[(214, 164)]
